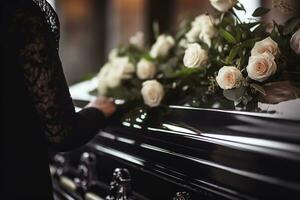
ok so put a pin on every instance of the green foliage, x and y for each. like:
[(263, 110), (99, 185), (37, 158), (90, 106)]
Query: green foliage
[(187, 72), (240, 6), (128, 91), (227, 36), (235, 94), (233, 53), (231, 46), (260, 12)]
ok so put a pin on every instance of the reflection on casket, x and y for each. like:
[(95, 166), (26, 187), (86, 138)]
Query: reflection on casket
[(202, 153)]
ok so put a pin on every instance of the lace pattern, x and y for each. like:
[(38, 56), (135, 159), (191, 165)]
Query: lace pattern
[(42, 68), (51, 17)]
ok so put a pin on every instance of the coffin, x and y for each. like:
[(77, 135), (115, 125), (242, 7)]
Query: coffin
[(189, 153)]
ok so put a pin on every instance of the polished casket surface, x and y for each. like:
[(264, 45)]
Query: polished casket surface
[(189, 153)]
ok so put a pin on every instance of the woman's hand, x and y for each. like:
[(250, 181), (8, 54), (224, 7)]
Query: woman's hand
[(105, 105)]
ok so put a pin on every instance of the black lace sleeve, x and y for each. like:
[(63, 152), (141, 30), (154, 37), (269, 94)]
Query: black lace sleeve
[(45, 80)]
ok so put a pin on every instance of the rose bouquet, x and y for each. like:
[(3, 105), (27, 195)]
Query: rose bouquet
[(213, 61)]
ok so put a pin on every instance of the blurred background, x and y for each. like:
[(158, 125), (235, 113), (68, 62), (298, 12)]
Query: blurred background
[(91, 28)]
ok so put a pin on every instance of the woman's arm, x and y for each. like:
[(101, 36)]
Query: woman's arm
[(40, 62)]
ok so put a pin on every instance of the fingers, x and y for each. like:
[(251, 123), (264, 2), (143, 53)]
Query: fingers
[(111, 99), (104, 99), (105, 105)]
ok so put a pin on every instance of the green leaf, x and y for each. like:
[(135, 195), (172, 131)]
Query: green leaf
[(259, 30), (187, 71), (249, 25), (233, 52), (238, 34), (235, 94), (227, 20), (148, 57), (260, 12), (240, 7), (227, 36), (168, 71), (250, 42), (258, 88)]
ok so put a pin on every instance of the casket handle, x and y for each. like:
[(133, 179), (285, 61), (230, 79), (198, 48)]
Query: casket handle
[(59, 165), (84, 177), (120, 186), (182, 196), (87, 170)]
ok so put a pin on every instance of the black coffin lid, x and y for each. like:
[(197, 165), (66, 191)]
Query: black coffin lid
[(232, 154)]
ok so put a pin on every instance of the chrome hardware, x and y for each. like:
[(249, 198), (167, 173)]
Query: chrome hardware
[(67, 183), (182, 196), (87, 173), (59, 165), (120, 186)]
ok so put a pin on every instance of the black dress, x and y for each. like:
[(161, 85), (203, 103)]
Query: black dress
[(36, 107)]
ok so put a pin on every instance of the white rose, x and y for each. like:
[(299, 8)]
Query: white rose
[(102, 81), (113, 54), (194, 56), (207, 34), (261, 66), (145, 69), (113, 72), (265, 45), (295, 42), (183, 43), (202, 21), (203, 29), (193, 34), (123, 68), (108, 78), (223, 5), (162, 46), (152, 92), (138, 40), (229, 77), (113, 78)]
